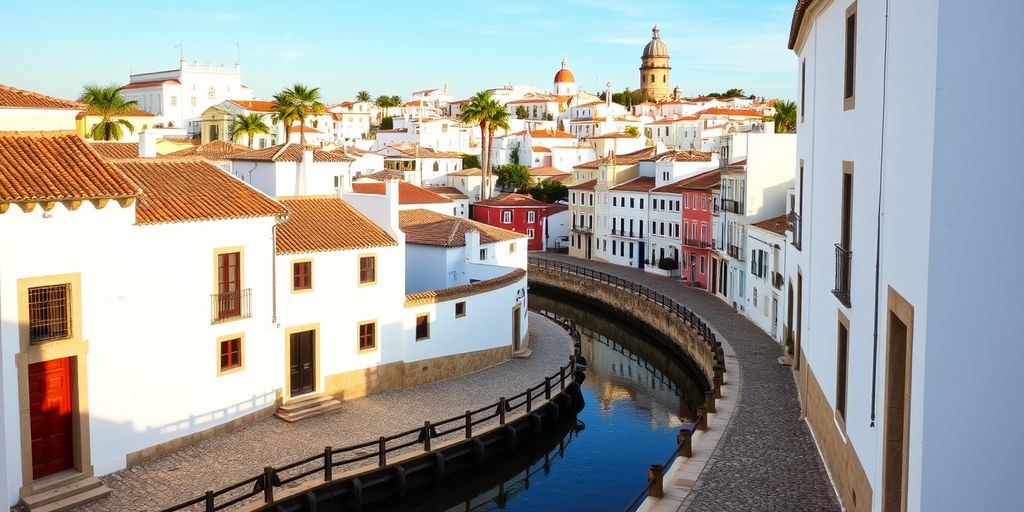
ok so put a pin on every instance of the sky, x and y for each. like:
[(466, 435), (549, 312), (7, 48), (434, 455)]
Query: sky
[(396, 47)]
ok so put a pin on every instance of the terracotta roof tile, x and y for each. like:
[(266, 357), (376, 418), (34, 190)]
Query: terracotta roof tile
[(255, 105), (116, 150), (615, 135), (407, 193), (546, 134), (798, 18), (623, 159), (411, 151), (546, 170), (540, 149), (741, 112), (216, 150), (472, 171), (449, 192), (55, 168), (641, 184), (135, 112), (774, 224), (12, 97), (688, 155), (513, 201), (187, 190), (326, 223), (586, 185), (425, 227), (152, 83), (385, 174), (290, 153), (465, 290), (703, 181)]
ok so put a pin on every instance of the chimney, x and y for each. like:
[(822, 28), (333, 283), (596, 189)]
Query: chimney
[(147, 144), (304, 167), (473, 246)]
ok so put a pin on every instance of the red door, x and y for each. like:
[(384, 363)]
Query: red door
[(49, 397)]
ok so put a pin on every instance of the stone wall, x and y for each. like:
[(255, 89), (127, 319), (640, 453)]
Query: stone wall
[(639, 308)]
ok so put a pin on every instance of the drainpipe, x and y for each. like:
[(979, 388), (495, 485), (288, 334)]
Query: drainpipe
[(878, 225), (280, 219)]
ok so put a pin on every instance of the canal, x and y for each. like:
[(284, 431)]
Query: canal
[(638, 395)]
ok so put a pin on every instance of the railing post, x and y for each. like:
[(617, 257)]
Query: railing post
[(702, 418), (268, 484), (209, 502), (469, 424), (561, 378), (426, 436), (547, 388), (709, 401), (717, 382), (501, 410), (654, 474), (529, 400), (685, 445), (328, 464), (382, 451)]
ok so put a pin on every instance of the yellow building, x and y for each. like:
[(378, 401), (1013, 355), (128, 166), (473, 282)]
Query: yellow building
[(216, 122), (655, 73), (27, 111), (139, 119)]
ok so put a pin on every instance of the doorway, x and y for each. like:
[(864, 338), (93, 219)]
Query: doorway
[(895, 463), (693, 268), (516, 328), (303, 365), (640, 257), (50, 388), (590, 243)]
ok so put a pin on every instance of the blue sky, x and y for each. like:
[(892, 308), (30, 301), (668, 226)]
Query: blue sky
[(395, 47)]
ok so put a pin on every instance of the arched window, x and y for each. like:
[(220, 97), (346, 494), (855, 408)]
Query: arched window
[(436, 167), (652, 78), (664, 78), (211, 93)]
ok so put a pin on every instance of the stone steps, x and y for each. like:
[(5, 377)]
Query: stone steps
[(70, 493), (307, 407)]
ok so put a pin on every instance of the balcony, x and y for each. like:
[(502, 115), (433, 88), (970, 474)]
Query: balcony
[(776, 280), (842, 289), (230, 305), (732, 206), (583, 229), (693, 242), (627, 234), (794, 225), (715, 209), (735, 252)]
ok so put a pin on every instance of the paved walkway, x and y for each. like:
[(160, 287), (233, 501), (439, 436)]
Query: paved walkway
[(766, 459), (242, 453)]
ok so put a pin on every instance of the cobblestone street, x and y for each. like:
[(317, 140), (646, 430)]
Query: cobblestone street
[(242, 453), (766, 459)]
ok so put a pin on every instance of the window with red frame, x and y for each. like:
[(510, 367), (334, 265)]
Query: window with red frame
[(302, 275), (230, 354)]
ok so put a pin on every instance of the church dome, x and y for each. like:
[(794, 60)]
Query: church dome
[(564, 75), (655, 48)]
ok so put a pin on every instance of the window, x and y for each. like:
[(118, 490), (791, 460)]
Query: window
[(615, 201), (631, 203), (512, 248), (49, 316), (229, 296), (842, 351), (367, 336), (531, 217), (803, 87), (422, 326), (483, 254), (460, 309), (850, 71), (302, 275), (591, 198), (506, 217), (572, 198), (230, 351), (702, 264), (367, 269), (194, 102), (174, 101), (641, 203), (529, 233), (210, 93)]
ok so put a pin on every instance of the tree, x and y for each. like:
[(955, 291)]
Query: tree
[(513, 176), (549, 117), (513, 155), (108, 103), (632, 131), (499, 120), (479, 110), (387, 123), (549, 191), (785, 116), (298, 103), (734, 93), (470, 162), (363, 95), (522, 113), (250, 125)]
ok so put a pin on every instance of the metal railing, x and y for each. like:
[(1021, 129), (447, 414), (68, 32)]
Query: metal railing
[(794, 224), (732, 206), (580, 228), (842, 289), (230, 305), (735, 252), (627, 234), (655, 487), (693, 242), (330, 458), (777, 280)]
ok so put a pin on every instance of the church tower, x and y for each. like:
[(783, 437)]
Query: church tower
[(654, 68), (564, 83)]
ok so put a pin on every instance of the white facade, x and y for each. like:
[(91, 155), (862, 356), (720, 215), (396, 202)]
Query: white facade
[(766, 257)]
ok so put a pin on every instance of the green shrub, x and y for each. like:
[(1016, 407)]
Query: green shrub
[(668, 264)]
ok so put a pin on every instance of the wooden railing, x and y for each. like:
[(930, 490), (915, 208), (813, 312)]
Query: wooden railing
[(331, 458), (655, 487)]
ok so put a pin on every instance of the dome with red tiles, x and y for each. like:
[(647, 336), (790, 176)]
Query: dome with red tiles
[(564, 75)]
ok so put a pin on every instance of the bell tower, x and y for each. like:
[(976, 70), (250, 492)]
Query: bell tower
[(655, 73)]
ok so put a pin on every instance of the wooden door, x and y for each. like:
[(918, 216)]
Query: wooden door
[(49, 391), (229, 280), (516, 334), (303, 369)]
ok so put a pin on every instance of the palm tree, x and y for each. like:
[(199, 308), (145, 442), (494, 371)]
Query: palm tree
[(734, 93), (250, 125), (363, 96), (785, 116), (298, 103), (477, 110), (499, 117), (108, 103)]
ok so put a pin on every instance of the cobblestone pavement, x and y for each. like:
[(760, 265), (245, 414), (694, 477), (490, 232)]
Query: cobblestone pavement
[(766, 459), (242, 453)]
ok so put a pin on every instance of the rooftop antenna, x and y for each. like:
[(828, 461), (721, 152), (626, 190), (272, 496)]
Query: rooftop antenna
[(238, 53), (181, 50)]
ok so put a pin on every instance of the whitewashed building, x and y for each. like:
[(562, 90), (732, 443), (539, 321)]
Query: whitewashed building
[(422, 166), (22, 110), (766, 248), (290, 170)]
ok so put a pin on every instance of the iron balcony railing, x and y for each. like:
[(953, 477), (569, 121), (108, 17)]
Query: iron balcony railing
[(693, 242), (842, 289), (795, 226), (777, 280), (583, 229), (627, 234), (715, 209), (735, 252), (230, 305), (732, 206)]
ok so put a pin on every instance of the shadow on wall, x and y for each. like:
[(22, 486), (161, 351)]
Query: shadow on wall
[(773, 201)]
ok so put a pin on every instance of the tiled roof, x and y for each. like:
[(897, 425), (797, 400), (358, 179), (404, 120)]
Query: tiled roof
[(12, 97), (216, 150), (326, 223), (616, 135), (557, 208), (686, 119), (547, 134), (465, 290), (411, 151), (449, 192), (564, 178), (527, 101), (309, 129), (623, 159), (385, 174), (425, 227), (687, 155), (290, 153), (153, 83), (116, 150), (255, 105), (135, 112), (741, 112), (539, 149), (641, 184), (703, 181), (798, 18), (586, 185), (425, 91), (513, 201), (192, 190), (774, 224), (407, 193), (472, 171), (54, 168), (546, 170)]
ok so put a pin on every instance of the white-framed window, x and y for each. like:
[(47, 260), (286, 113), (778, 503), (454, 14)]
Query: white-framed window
[(529, 233), (531, 217), (506, 217), (174, 101)]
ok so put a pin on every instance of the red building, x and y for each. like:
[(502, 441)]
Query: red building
[(696, 265), (515, 212)]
